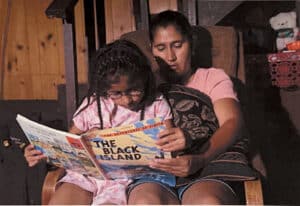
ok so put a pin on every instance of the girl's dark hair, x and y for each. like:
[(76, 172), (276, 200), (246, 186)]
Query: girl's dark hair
[(174, 18), (116, 59)]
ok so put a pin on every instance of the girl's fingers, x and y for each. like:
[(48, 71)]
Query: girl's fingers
[(173, 146), (32, 163), (171, 139), (33, 160), (171, 143), (167, 132), (35, 157)]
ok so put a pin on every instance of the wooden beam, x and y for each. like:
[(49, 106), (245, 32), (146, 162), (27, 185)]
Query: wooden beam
[(3, 43), (65, 9), (211, 12), (144, 14), (189, 9), (298, 11), (70, 72), (141, 14)]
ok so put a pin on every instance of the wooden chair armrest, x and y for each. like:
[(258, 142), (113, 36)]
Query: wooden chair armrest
[(49, 184), (253, 192)]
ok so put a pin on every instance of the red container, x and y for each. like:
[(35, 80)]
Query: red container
[(285, 69)]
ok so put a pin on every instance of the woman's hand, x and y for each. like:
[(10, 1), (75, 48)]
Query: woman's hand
[(181, 166), (171, 139), (32, 155)]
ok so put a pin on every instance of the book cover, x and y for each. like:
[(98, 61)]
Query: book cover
[(62, 149), (125, 151), (114, 153)]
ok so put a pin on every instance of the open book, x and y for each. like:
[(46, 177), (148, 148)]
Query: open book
[(114, 153)]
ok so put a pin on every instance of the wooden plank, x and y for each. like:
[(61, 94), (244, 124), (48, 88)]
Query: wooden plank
[(16, 58), (297, 4), (45, 55), (116, 26), (47, 40), (211, 12), (48, 83), (156, 6), (81, 43), (34, 43), (224, 37), (70, 68), (96, 24), (253, 192), (144, 15), (60, 49), (17, 48), (108, 20), (32, 30), (189, 9), (5, 11), (21, 87)]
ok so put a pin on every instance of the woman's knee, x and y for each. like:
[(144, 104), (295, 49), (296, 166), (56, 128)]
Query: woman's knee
[(151, 193), (210, 193)]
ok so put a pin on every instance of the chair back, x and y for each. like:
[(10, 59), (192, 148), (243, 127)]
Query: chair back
[(216, 46)]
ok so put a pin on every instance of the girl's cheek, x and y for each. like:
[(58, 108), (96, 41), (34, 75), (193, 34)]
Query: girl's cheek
[(117, 102)]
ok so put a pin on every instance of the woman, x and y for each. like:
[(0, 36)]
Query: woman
[(171, 41)]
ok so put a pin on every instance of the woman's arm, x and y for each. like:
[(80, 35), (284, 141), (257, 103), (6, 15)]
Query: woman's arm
[(230, 120)]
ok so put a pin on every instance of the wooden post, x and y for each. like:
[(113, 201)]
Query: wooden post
[(65, 9), (70, 72), (141, 14), (298, 11)]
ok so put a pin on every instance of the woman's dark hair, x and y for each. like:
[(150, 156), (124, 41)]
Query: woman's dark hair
[(116, 59), (182, 25), (173, 18)]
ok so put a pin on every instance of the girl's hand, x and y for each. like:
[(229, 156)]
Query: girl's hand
[(181, 166), (32, 155), (171, 139)]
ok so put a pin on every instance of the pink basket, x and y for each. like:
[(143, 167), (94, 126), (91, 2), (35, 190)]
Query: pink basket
[(285, 69)]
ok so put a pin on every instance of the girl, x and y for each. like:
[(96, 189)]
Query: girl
[(122, 90)]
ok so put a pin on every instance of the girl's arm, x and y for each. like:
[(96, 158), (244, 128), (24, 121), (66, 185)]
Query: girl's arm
[(34, 156), (74, 130)]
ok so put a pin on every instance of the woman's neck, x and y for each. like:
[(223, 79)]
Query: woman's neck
[(187, 77)]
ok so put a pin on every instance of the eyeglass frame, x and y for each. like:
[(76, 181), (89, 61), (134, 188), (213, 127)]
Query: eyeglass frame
[(130, 92)]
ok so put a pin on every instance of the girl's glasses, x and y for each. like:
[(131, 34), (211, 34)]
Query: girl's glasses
[(119, 94)]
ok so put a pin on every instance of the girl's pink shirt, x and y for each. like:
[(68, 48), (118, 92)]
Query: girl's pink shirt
[(114, 115), (110, 191), (213, 82)]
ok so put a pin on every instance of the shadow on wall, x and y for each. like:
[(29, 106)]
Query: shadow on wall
[(279, 145)]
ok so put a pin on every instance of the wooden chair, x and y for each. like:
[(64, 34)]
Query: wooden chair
[(224, 50)]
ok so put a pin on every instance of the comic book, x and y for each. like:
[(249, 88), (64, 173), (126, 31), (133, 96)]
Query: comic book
[(114, 153)]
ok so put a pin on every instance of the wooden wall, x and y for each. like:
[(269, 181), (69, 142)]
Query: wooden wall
[(32, 55), (156, 6), (119, 17), (31, 46)]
